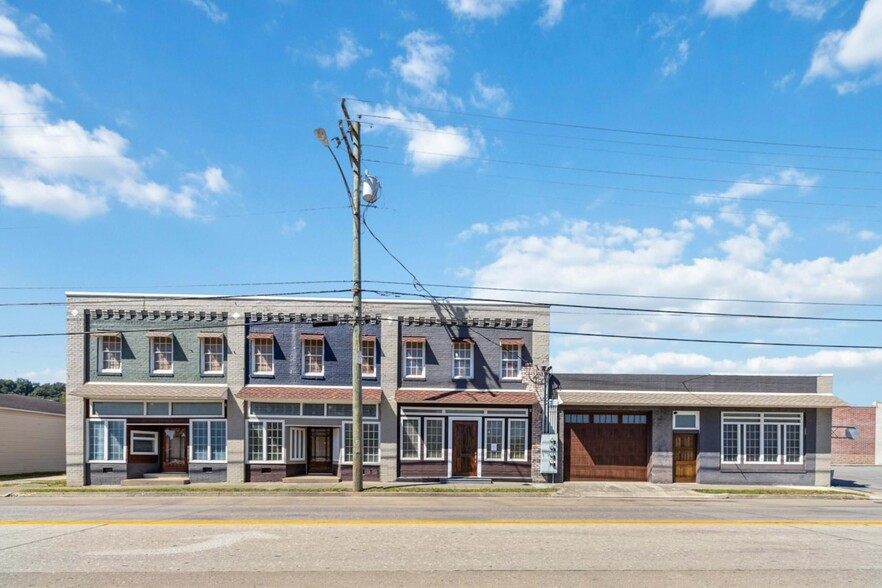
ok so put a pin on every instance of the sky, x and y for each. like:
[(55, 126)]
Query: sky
[(613, 158)]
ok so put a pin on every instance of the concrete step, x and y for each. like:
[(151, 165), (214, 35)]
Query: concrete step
[(314, 479), (157, 480), (466, 481)]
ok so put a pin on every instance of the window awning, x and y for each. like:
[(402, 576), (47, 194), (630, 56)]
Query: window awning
[(106, 333), (413, 339), (470, 397), (133, 391), (369, 338), (209, 335), (312, 337), (511, 341), (157, 334), (255, 336), (468, 340), (307, 393)]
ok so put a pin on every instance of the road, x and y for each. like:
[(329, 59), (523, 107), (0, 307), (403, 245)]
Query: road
[(406, 540)]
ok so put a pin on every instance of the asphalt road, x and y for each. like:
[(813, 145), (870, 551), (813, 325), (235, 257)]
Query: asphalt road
[(436, 540)]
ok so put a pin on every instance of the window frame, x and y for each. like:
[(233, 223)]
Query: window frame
[(503, 360), (202, 356), (417, 443), (153, 437), (308, 341), (509, 429), (106, 441), (502, 448), (264, 425), (471, 359), (372, 375), (210, 423), (154, 353), (695, 413), (297, 454), (422, 360), (365, 425), (255, 343), (102, 341), (741, 420), (443, 455)]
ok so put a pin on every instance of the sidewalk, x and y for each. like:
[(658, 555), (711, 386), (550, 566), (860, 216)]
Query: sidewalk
[(610, 490)]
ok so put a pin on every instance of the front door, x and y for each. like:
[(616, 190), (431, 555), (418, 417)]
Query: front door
[(685, 456), (465, 448), (174, 449), (319, 449)]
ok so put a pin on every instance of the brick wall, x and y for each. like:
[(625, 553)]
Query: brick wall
[(854, 451)]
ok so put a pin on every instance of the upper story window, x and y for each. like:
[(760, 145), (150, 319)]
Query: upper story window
[(161, 353), (212, 353), (110, 353), (313, 355), (463, 359), (261, 354), (369, 357), (510, 354), (414, 357)]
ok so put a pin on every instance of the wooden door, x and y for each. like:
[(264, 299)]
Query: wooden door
[(685, 456), (606, 449), (319, 449), (174, 449), (465, 448)]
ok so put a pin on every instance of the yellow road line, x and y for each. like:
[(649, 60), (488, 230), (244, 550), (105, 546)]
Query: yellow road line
[(381, 523)]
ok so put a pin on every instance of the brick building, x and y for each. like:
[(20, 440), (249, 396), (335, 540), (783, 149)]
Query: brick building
[(866, 449)]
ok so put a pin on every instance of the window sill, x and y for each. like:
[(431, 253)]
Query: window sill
[(110, 373), (759, 468), (212, 374), (162, 374)]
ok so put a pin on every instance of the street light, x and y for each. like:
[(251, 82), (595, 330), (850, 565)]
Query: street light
[(370, 187)]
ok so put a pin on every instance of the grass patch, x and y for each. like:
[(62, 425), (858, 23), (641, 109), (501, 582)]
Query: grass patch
[(776, 491), (479, 490), (13, 477), (293, 489)]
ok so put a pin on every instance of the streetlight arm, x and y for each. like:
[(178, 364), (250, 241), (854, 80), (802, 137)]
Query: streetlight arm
[(342, 174)]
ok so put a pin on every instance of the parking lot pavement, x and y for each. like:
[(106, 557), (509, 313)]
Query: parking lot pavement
[(865, 478)]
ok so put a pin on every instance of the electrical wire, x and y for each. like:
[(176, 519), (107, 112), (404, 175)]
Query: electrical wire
[(619, 130)]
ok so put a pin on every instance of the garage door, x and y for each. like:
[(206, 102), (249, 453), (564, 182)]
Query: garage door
[(606, 446)]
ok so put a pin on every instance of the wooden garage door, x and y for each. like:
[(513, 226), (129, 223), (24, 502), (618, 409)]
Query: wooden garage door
[(606, 446)]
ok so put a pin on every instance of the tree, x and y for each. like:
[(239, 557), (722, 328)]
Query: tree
[(25, 387)]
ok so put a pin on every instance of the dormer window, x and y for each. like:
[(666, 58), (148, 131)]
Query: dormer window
[(109, 353), (161, 352)]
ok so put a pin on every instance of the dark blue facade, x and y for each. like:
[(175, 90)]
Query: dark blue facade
[(287, 354), (486, 356)]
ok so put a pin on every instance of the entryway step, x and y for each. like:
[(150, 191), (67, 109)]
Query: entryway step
[(158, 480), (466, 481), (311, 480)]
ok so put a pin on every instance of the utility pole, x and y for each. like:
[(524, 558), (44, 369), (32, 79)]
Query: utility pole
[(354, 128)]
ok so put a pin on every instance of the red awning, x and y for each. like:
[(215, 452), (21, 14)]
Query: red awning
[(294, 393), (405, 396)]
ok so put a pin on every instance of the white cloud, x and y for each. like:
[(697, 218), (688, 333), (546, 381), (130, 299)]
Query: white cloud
[(586, 358), (14, 43), (474, 230), (348, 53), (674, 62), (490, 97), (430, 146), (58, 167), (739, 191), (868, 235), (480, 9), (807, 9), (210, 9), (853, 58), (424, 64), (553, 13), (727, 8), (508, 225)]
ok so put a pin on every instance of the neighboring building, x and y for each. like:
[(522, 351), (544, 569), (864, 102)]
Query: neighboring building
[(717, 429), (866, 447), (259, 389), (31, 435)]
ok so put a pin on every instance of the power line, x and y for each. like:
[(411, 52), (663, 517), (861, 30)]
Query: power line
[(703, 148), (644, 175), (651, 310), (507, 329), (657, 155), (639, 296), (626, 131)]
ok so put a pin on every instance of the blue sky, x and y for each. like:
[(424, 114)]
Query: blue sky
[(561, 145)]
